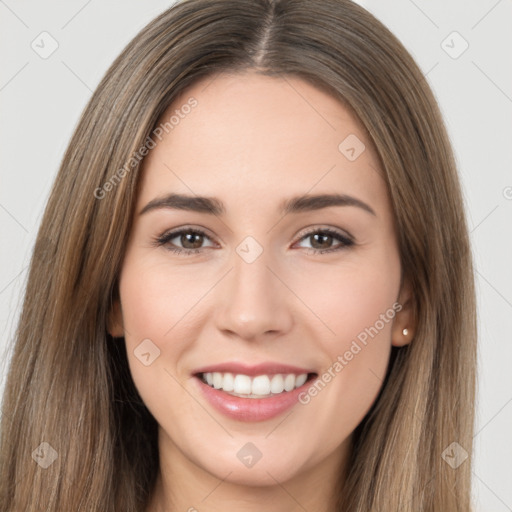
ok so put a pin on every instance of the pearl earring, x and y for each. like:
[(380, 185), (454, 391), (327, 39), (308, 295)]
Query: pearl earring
[(405, 332)]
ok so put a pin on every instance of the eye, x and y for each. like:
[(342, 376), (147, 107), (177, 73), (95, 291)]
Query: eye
[(191, 240), (322, 238)]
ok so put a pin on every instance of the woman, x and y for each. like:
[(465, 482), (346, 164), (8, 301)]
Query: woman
[(246, 370)]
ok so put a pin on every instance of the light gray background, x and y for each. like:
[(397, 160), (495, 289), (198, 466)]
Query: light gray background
[(42, 99)]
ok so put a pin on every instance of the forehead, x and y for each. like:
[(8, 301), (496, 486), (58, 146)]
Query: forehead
[(250, 132)]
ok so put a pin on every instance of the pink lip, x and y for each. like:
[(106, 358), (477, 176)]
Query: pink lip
[(251, 409), (259, 369)]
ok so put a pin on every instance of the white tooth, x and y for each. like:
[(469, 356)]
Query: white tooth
[(228, 384), (289, 382), (277, 384), (217, 380), (242, 384), (261, 385), (258, 386), (303, 377)]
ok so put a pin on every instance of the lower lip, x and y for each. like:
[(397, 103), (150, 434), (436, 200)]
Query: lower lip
[(251, 409)]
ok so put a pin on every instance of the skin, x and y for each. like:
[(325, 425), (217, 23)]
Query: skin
[(247, 137)]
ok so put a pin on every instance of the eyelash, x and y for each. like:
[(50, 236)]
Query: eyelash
[(164, 239)]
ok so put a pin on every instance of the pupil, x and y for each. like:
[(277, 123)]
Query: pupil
[(322, 236), (193, 235)]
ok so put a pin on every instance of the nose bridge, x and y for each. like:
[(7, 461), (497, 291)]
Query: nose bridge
[(251, 275), (253, 301)]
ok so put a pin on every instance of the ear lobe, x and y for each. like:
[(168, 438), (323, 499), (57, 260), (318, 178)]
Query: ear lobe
[(404, 324), (115, 325)]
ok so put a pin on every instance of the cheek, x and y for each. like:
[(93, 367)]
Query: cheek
[(358, 304), (156, 336), (149, 314), (161, 302), (158, 301), (351, 298)]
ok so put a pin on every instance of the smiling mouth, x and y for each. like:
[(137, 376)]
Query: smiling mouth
[(258, 386)]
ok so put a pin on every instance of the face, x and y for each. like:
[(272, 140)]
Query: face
[(207, 286)]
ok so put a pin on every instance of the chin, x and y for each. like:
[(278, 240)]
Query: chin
[(269, 470)]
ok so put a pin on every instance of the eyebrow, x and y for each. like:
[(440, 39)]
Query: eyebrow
[(213, 206)]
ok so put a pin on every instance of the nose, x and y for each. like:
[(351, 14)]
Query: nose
[(254, 301)]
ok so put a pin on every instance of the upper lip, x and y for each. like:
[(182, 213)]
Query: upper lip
[(269, 368)]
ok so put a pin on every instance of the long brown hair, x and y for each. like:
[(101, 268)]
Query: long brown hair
[(69, 383)]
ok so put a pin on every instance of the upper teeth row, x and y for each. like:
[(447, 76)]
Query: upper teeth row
[(260, 385)]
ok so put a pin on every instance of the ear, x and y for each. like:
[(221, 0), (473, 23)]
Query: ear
[(405, 318), (115, 325)]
